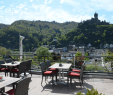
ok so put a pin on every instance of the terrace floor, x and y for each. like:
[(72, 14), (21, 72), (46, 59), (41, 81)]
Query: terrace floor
[(103, 85)]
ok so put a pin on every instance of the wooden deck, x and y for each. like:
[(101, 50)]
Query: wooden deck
[(103, 86)]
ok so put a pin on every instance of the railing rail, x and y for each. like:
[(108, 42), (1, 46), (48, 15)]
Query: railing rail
[(92, 63)]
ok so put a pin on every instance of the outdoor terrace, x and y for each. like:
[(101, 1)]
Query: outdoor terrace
[(99, 78), (103, 85)]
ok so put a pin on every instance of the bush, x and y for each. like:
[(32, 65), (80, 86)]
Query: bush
[(93, 67), (90, 92)]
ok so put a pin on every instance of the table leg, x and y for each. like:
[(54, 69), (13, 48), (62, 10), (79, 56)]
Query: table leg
[(62, 77), (59, 75), (62, 74), (10, 70)]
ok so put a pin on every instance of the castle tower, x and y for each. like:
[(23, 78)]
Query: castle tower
[(96, 15)]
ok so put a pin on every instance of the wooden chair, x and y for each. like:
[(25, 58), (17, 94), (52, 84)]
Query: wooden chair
[(48, 64), (8, 60), (28, 68), (20, 71), (73, 74), (22, 87), (46, 72), (3, 68)]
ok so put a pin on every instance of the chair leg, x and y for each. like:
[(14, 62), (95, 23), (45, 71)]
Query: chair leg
[(45, 78), (82, 80), (56, 77), (10, 74), (42, 80), (13, 74), (71, 80), (17, 75), (5, 74), (67, 80), (30, 73), (52, 79)]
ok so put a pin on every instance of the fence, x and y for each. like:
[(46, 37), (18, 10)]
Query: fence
[(92, 63)]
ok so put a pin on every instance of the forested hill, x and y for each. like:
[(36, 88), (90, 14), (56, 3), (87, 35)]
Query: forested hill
[(88, 33), (3, 25), (36, 33)]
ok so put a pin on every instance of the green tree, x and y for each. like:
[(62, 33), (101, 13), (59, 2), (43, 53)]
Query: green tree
[(2, 51), (86, 58), (42, 51)]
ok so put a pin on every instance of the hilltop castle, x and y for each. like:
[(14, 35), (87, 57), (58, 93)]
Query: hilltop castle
[(95, 20)]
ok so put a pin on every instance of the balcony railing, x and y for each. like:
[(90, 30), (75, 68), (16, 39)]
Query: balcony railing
[(92, 63)]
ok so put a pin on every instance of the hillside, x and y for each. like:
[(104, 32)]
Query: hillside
[(39, 33), (36, 33), (88, 33), (3, 25)]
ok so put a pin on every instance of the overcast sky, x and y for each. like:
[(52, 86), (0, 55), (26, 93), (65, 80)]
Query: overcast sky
[(55, 10)]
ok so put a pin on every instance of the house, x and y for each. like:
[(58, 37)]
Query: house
[(55, 39), (52, 47), (64, 49)]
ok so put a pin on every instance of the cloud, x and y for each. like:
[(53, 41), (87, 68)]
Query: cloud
[(45, 2), (62, 1), (90, 4), (102, 17), (48, 1), (2, 7), (31, 0), (1, 2), (46, 12)]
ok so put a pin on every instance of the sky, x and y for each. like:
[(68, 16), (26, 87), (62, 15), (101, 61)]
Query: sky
[(55, 10)]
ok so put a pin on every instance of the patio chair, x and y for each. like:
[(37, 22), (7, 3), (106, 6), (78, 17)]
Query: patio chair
[(48, 64), (8, 60), (72, 74), (46, 72), (77, 67), (22, 87), (3, 68), (20, 71), (28, 68)]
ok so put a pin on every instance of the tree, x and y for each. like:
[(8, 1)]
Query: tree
[(2, 51), (42, 51), (86, 58), (78, 56)]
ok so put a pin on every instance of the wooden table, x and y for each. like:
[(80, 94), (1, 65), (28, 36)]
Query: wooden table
[(64, 66), (7, 81), (11, 65)]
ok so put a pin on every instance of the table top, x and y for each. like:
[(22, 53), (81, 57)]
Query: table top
[(10, 64), (64, 66), (8, 81)]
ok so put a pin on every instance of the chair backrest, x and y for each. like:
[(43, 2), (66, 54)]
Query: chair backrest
[(22, 86), (22, 67), (48, 63), (28, 65), (43, 66), (8, 60), (82, 68), (2, 62)]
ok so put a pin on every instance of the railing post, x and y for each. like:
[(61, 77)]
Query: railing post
[(44, 58), (74, 60)]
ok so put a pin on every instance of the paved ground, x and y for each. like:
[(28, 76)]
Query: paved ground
[(103, 86)]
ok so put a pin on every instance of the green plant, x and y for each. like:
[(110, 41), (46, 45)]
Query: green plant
[(43, 51), (90, 92), (86, 58), (79, 93), (93, 67), (93, 92)]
